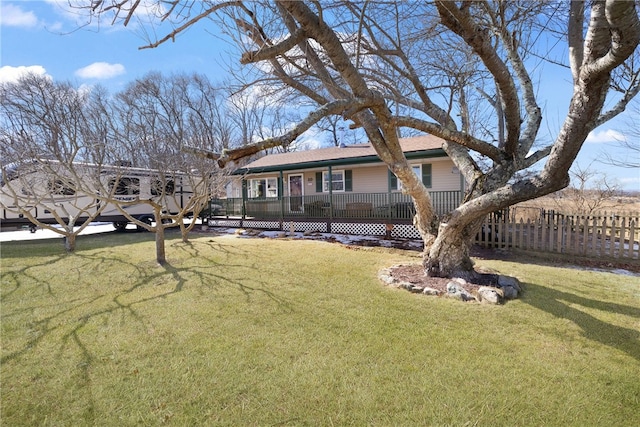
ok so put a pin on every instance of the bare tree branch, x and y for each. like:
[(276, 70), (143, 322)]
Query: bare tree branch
[(460, 21), (460, 138), (347, 108), (172, 35), (273, 51)]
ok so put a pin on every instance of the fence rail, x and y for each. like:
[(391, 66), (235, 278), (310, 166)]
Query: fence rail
[(600, 234), (365, 206)]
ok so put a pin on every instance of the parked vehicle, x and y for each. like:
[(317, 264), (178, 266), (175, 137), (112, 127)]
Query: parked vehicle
[(44, 189)]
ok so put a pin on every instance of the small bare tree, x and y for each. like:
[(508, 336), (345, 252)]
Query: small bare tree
[(44, 134), (155, 117), (590, 190)]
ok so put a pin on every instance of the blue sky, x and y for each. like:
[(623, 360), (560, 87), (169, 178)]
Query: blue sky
[(42, 36)]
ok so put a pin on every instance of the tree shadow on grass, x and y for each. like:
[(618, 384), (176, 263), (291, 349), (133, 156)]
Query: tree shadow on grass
[(72, 314), (567, 305)]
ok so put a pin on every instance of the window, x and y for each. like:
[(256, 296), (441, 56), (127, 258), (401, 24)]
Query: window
[(157, 187), (262, 188), (340, 181), (422, 171), (59, 187), (337, 181), (125, 186)]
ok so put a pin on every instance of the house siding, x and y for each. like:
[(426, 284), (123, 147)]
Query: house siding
[(442, 177), (366, 179)]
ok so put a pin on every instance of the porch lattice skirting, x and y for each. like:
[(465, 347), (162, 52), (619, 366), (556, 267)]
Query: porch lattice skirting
[(399, 231)]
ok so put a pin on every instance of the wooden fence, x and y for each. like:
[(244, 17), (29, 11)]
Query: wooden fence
[(604, 235)]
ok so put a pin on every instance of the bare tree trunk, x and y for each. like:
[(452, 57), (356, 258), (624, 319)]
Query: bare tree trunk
[(448, 255), (161, 257), (70, 242), (184, 231)]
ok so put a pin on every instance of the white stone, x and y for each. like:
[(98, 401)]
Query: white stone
[(489, 294)]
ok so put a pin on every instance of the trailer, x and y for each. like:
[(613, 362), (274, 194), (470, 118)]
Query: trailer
[(52, 192)]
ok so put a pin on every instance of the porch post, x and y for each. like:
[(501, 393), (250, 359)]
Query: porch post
[(244, 200), (330, 218), (330, 199), (281, 197), (389, 193)]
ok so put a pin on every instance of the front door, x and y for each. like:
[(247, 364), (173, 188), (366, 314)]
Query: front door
[(296, 191)]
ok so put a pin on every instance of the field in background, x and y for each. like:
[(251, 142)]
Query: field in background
[(621, 204)]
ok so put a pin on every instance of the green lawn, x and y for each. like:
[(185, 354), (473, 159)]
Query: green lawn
[(242, 332)]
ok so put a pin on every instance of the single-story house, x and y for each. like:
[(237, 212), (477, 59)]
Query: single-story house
[(346, 182)]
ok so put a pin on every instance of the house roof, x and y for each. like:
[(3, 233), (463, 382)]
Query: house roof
[(423, 146)]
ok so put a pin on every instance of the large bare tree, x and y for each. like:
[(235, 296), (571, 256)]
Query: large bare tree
[(466, 71)]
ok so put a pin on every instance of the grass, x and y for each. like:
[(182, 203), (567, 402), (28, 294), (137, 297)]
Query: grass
[(262, 332)]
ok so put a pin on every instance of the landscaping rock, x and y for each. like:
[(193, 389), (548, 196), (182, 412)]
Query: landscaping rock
[(456, 290), (385, 276), (510, 292), (510, 286), (490, 295), (412, 279), (504, 281), (431, 291), (406, 285)]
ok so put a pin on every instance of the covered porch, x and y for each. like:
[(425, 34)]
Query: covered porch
[(390, 207)]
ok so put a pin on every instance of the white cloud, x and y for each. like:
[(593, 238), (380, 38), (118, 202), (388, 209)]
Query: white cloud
[(631, 180), (100, 70), (9, 74), (604, 136), (13, 16)]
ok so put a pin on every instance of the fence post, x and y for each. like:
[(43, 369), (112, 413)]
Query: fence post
[(632, 239), (543, 238), (602, 246), (575, 230), (560, 235), (612, 238), (588, 224), (569, 234), (623, 238), (519, 242)]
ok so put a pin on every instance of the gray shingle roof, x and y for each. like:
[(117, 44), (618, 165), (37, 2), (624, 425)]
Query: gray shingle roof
[(413, 144)]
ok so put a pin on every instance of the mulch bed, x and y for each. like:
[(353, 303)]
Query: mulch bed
[(415, 274)]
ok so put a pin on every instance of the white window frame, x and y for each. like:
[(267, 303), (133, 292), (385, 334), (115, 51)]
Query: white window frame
[(325, 181), (270, 187)]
